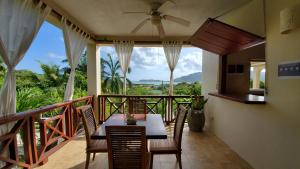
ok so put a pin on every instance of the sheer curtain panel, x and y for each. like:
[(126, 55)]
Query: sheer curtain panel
[(172, 52), (75, 43), (20, 21), (124, 51)]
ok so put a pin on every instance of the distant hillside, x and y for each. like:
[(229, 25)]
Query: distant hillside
[(149, 80), (190, 78)]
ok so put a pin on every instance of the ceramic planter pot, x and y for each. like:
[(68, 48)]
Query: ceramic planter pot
[(196, 120)]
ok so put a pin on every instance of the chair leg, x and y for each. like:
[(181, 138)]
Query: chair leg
[(87, 162), (151, 162), (178, 156), (94, 155)]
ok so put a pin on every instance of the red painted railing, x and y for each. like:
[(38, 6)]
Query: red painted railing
[(31, 137)]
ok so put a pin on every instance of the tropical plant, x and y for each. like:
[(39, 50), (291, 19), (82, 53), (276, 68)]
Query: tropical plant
[(198, 103), (112, 82), (52, 76), (26, 78), (31, 98), (81, 72)]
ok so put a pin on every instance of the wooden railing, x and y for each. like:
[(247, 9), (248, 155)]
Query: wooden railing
[(157, 104), (32, 136)]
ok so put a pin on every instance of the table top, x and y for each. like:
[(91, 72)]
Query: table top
[(154, 124)]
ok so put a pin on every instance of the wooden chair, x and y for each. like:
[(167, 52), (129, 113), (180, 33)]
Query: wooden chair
[(90, 126), (137, 106), (171, 145), (127, 147)]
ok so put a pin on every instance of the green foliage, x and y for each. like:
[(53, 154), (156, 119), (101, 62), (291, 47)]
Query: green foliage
[(187, 89), (261, 85), (139, 90), (78, 92), (26, 78), (52, 76), (196, 89), (198, 103), (112, 82), (2, 71), (31, 98), (37, 90)]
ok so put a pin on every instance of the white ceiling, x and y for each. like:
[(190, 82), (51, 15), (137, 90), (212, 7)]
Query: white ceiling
[(104, 18)]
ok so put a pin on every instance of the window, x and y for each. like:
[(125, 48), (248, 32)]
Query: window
[(257, 75)]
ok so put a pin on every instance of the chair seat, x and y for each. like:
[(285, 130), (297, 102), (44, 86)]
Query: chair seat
[(163, 146), (97, 146)]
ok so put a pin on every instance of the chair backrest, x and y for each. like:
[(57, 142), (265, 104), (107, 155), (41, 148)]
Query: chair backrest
[(179, 124), (137, 106), (127, 147), (89, 121)]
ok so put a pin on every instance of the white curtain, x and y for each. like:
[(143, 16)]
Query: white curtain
[(124, 51), (20, 21), (75, 43), (172, 52)]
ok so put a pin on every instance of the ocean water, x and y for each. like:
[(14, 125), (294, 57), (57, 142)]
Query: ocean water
[(155, 83)]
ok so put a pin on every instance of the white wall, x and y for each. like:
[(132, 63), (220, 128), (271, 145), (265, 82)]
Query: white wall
[(267, 136)]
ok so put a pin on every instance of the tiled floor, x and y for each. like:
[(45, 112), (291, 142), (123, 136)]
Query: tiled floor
[(200, 151)]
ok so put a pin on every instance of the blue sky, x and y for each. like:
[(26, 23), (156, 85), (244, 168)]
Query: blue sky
[(146, 63)]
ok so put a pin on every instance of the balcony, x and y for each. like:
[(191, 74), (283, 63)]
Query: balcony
[(263, 133), (48, 141)]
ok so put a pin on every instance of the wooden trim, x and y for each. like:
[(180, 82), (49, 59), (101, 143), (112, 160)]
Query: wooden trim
[(222, 74), (168, 104), (247, 99), (223, 39)]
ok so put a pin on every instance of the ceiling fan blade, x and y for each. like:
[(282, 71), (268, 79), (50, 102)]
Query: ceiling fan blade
[(177, 20), (138, 27), (133, 12), (161, 30), (166, 5)]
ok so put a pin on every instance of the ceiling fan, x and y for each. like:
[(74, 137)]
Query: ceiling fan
[(156, 17)]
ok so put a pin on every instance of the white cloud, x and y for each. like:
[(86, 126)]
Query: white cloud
[(150, 62), (188, 63), (52, 55), (147, 58)]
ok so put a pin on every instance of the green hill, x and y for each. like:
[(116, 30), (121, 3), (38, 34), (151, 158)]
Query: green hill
[(191, 78)]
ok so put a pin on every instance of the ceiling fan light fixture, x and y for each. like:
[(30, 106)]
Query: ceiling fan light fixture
[(155, 20)]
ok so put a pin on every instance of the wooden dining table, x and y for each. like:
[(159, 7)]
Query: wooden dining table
[(155, 128)]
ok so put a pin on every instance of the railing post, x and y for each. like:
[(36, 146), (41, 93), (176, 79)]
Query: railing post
[(68, 120), (30, 148), (44, 140), (99, 109)]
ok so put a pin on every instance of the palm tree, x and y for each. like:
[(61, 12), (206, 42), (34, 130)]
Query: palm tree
[(81, 72), (112, 82), (82, 65), (52, 76)]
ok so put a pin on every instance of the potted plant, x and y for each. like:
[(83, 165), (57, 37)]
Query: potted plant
[(196, 117), (130, 120)]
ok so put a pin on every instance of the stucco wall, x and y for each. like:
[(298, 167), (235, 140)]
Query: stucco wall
[(240, 83), (267, 136)]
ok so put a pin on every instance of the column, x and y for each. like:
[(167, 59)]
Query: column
[(94, 73), (256, 78)]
